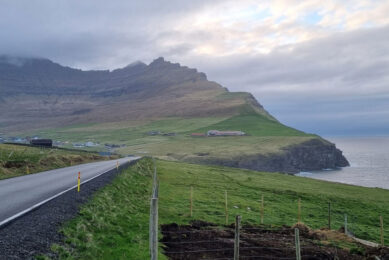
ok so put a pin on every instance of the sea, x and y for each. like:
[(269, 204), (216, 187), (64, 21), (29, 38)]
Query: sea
[(369, 162)]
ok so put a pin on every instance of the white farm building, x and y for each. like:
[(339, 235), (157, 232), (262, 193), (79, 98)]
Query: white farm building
[(225, 133)]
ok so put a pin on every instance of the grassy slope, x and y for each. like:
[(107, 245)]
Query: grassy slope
[(254, 125), (185, 108), (114, 225), (264, 136), (15, 159)]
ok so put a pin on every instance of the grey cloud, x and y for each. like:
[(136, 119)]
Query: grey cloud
[(341, 81), (348, 58), (85, 33)]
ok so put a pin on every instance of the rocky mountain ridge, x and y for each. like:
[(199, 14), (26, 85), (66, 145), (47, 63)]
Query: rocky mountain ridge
[(42, 76), (38, 90)]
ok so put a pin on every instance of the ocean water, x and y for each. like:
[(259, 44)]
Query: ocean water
[(369, 162)]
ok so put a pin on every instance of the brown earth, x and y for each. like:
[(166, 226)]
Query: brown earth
[(201, 240)]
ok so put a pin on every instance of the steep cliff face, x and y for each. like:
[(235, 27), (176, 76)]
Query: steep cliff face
[(315, 154)]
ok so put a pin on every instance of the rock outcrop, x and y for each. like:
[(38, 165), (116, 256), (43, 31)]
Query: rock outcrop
[(315, 154)]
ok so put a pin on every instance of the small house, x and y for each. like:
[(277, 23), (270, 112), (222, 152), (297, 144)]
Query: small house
[(42, 142)]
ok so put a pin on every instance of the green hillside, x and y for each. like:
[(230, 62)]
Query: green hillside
[(115, 223), (254, 124), (264, 136), (16, 160)]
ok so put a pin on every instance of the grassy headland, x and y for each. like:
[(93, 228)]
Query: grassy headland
[(264, 136), (16, 160), (114, 224)]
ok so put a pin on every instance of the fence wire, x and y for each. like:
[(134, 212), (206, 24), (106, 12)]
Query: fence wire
[(212, 203)]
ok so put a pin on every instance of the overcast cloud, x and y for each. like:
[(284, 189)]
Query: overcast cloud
[(320, 66)]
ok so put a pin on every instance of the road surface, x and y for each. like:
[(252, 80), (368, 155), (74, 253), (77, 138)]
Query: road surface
[(21, 194)]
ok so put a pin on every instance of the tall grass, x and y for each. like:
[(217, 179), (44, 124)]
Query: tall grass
[(18, 160)]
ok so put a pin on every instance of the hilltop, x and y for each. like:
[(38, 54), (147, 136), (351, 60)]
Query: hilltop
[(153, 109)]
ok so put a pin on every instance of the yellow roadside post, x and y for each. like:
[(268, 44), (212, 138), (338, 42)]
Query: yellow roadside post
[(117, 165), (79, 182), (27, 170)]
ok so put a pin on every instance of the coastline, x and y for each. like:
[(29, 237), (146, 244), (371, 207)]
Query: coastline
[(311, 174), (369, 162)]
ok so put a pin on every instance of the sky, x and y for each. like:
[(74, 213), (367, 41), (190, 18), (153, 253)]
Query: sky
[(319, 66)]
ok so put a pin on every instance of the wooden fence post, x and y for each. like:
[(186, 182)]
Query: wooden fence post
[(155, 171), (382, 230), (155, 167), (236, 241), (226, 207), (191, 201), (299, 211), (156, 190), (345, 224), (262, 209), (329, 215), (297, 242), (153, 229), (155, 181)]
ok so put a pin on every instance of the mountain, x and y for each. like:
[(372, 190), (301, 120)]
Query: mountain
[(37, 90), (39, 96)]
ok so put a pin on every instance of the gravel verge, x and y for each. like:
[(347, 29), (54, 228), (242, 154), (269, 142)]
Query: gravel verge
[(34, 233)]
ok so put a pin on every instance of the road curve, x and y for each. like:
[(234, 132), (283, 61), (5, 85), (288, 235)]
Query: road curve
[(21, 194)]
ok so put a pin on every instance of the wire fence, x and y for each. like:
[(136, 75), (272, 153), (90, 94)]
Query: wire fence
[(265, 233), (313, 213), (193, 242)]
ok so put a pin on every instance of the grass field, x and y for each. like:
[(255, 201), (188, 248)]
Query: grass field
[(254, 125), (16, 160), (114, 224), (264, 136)]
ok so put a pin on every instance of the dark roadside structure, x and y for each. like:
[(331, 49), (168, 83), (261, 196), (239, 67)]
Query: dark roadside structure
[(42, 142)]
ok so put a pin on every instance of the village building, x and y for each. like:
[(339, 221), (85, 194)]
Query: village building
[(225, 133)]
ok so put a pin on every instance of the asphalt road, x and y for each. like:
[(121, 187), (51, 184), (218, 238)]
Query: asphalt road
[(21, 194)]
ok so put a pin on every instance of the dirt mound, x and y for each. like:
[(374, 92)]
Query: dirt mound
[(201, 240)]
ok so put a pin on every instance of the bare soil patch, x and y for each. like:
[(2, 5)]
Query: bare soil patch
[(201, 240)]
